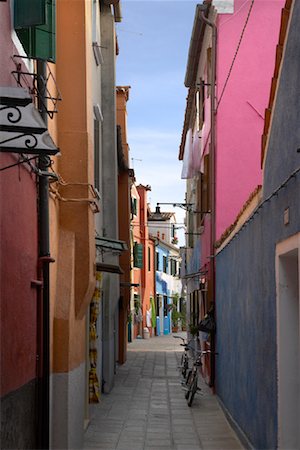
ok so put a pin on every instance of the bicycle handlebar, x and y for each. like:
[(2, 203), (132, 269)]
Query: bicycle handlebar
[(201, 352), (179, 337)]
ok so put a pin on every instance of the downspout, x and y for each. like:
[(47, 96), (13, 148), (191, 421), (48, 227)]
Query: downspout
[(212, 178), (44, 260)]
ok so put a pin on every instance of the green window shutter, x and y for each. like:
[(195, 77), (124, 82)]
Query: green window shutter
[(38, 37), (45, 35), (29, 13), (25, 36), (138, 255)]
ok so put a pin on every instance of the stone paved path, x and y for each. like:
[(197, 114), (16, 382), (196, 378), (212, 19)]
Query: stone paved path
[(146, 410)]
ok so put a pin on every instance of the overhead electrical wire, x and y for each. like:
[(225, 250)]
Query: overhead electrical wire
[(236, 52)]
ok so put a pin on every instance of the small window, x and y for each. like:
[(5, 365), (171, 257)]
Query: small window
[(96, 155), (173, 230), (173, 264), (200, 105), (165, 265), (166, 309), (157, 304), (149, 259), (209, 63), (163, 236), (138, 255), (157, 260), (133, 206)]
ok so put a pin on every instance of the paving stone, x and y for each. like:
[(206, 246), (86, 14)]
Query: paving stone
[(187, 447), (146, 409)]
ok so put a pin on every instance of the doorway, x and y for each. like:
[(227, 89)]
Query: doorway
[(288, 342)]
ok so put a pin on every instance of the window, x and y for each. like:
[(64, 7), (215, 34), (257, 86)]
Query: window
[(96, 33), (208, 70), (97, 155), (173, 230), (200, 105), (165, 264), (133, 206), (34, 22), (205, 188), (190, 217), (163, 236), (157, 260), (149, 259), (173, 264), (138, 255), (166, 309), (157, 304), (199, 216)]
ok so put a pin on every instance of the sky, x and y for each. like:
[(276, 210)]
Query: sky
[(154, 38)]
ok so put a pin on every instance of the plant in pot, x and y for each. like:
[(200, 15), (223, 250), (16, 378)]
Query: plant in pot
[(193, 329), (183, 316), (176, 316)]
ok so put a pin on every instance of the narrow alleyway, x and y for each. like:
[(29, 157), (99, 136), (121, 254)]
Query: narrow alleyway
[(147, 409)]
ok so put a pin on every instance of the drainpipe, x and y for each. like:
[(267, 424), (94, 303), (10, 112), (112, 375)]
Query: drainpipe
[(44, 260), (212, 176)]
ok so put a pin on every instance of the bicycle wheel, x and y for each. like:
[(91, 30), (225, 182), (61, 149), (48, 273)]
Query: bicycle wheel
[(182, 362), (192, 391), (189, 383), (184, 365)]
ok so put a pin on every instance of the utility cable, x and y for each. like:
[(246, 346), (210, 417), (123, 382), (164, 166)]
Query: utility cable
[(236, 52), (21, 161)]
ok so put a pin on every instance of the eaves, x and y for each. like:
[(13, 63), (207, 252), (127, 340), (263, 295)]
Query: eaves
[(195, 48), (285, 19)]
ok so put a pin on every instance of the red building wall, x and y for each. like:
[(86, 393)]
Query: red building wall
[(18, 267)]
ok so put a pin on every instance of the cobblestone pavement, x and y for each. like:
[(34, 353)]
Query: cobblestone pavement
[(146, 410)]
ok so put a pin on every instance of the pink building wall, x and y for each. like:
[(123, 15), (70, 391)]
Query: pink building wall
[(240, 116)]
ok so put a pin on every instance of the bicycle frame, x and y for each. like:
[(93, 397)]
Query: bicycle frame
[(184, 366), (192, 377)]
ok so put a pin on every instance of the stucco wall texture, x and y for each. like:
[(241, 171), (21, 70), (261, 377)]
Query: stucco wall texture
[(246, 371), (246, 367), (283, 156), (241, 109)]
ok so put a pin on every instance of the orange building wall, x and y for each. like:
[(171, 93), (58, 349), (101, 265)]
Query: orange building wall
[(136, 237), (147, 276), (72, 222), (124, 212)]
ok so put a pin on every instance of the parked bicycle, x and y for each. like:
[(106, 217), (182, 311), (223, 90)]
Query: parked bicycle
[(184, 363), (191, 387)]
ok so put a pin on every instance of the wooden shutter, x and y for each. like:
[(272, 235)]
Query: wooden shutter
[(198, 200), (96, 155), (35, 24), (45, 35), (138, 255), (205, 198), (29, 13)]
